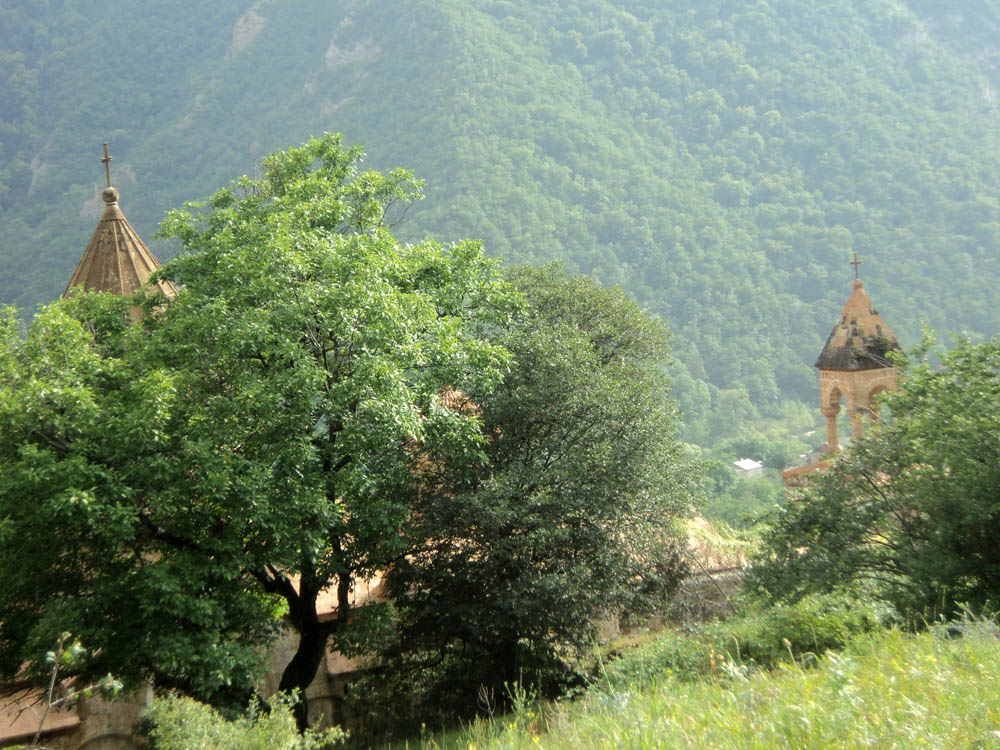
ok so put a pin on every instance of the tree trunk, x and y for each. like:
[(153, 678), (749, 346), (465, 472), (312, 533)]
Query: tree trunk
[(313, 637), (301, 670)]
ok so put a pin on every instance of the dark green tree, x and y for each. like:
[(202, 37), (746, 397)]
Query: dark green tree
[(913, 509), (572, 518), (169, 489)]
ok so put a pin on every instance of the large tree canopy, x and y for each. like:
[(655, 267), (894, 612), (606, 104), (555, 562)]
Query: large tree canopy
[(570, 519), (169, 488), (914, 508)]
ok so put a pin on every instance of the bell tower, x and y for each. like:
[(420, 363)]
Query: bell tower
[(854, 367), (854, 364)]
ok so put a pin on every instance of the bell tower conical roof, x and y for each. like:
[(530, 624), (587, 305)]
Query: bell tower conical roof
[(116, 259), (860, 339)]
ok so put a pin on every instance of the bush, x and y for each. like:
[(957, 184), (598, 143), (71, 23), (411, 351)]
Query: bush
[(572, 516), (180, 723)]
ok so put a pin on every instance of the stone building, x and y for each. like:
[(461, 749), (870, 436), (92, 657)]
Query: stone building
[(854, 367), (747, 468)]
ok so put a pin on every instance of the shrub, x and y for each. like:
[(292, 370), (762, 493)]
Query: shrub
[(180, 723)]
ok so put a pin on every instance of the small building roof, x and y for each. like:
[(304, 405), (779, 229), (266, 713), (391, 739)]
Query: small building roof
[(747, 464), (116, 259), (860, 340)]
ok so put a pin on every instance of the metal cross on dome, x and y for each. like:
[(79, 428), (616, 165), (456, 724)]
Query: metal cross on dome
[(856, 263), (106, 161)]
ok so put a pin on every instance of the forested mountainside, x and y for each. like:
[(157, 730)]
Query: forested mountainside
[(721, 159)]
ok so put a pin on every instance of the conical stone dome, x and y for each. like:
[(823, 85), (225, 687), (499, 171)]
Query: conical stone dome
[(116, 259)]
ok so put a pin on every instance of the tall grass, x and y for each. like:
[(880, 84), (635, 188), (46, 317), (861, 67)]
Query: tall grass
[(886, 690)]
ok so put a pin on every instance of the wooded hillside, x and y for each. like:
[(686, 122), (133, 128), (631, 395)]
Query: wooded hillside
[(720, 159)]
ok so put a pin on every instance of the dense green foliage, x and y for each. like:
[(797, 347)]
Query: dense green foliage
[(739, 502), (572, 517), (84, 448), (913, 508), (720, 159), (169, 488)]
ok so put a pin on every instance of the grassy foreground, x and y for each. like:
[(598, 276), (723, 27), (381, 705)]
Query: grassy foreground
[(890, 689)]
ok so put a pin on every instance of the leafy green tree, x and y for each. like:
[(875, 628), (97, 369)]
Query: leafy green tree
[(170, 488), (570, 519), (86, 453), (913, 508), (739, 502)]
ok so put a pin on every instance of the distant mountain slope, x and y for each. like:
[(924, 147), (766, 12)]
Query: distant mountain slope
[(719, 158)]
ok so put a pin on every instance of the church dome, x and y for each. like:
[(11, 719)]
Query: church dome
[(116, 259)]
